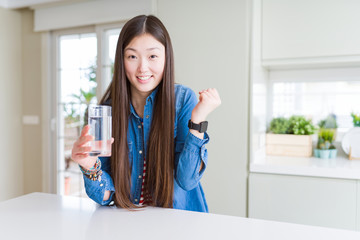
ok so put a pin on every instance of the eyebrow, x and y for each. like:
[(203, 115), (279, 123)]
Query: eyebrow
[(149, 49)]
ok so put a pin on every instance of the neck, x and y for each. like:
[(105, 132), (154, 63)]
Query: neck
[(138, 102)]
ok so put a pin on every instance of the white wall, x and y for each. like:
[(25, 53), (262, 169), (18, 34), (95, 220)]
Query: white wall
[(307, 28), (11, 176), (210, 40), (31, 102), (88, 12)]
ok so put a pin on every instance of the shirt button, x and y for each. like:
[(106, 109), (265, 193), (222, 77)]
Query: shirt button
[(139, 126), (147, 116), (140, 152), (136, 200), (101, 185), (139, 176)]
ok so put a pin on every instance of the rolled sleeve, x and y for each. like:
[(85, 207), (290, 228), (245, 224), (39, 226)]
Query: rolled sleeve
[(197, 146), (96, 189), (190, 150), (194, 152)]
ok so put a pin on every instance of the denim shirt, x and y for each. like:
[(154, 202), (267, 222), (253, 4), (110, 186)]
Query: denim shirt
[(189, 152)]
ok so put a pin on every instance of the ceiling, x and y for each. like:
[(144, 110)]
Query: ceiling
[(15, 4)]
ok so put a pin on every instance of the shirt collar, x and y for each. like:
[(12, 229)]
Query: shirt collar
[(152, 95)]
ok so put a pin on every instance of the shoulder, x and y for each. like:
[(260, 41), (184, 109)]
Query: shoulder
[(185, 98), (183, 94)]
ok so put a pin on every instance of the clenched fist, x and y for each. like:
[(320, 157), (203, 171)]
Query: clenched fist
[(209, 99)]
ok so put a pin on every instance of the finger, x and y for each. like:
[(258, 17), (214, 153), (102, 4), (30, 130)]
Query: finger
[(205, 94), (85, 130), (80, 151), (213, 93), (112, 140), (210, 98), (83, 150), (79, 156), (84, 140)]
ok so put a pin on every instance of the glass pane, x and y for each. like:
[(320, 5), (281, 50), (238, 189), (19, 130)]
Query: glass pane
[(69, 57), (317, 100), (112, 36), (73, 182), (69, 84), (88, 50), (77, 84)]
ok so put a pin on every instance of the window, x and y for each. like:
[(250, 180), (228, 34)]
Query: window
[(84, 68), (316, 93), (77, 87), (317, 100)]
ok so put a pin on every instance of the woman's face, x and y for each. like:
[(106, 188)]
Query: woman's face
[(144, 64)]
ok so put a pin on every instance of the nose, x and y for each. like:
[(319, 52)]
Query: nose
[(143, 65)]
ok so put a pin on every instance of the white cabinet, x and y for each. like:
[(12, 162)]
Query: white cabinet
[(305, 200), (301, 29), (358, 206)]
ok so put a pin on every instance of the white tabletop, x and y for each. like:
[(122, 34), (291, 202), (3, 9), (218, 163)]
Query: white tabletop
[(47, 216)]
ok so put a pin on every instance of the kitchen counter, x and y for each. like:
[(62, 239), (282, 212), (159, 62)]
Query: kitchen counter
[(48, 216), (339, 167)]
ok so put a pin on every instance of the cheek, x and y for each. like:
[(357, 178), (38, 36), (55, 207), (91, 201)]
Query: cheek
[(159, 68), (129, 69), (127, 66)]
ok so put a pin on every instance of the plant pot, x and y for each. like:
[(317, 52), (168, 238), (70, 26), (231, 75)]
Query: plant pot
[(333, 153), (289, 145), (324, 154), (316, 153)]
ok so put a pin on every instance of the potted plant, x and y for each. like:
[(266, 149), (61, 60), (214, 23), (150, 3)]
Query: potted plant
[(356, 119), (325, 148), (329, 123), (290, 137)]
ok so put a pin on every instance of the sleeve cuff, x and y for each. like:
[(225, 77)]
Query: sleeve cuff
[(196, 145), (195, 141), (96, 189)]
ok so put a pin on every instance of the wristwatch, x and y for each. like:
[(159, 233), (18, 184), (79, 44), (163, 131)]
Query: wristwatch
[(201, 127)]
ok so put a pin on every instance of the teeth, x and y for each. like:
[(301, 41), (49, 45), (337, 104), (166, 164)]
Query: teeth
[(144, 78)]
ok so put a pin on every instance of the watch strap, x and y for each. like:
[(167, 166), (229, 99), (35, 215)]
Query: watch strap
[(200, 127)]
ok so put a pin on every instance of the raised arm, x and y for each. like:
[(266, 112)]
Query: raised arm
[(190, 151)]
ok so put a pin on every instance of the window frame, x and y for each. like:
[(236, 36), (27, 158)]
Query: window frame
[(51, 167)]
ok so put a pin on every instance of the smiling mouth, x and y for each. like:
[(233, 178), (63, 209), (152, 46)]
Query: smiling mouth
[(144, 78)]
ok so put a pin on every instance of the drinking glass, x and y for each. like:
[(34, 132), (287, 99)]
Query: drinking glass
[(100, 127)]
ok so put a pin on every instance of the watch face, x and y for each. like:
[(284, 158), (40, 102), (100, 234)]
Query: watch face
[(203, 126)]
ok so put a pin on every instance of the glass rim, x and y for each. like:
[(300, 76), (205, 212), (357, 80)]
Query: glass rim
[(98, 106)]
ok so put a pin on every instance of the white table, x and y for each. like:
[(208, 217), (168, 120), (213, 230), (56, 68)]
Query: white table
[(47, 216)]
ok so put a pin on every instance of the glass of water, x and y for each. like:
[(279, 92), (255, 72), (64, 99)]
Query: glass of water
[(100, 128)]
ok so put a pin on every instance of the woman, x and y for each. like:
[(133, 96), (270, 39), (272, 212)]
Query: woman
[(156, 159)]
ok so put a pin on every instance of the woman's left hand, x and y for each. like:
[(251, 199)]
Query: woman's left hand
[(209, 99)]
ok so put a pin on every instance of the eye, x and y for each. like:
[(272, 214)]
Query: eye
[(131, 57), (153, 56)]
